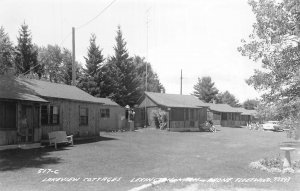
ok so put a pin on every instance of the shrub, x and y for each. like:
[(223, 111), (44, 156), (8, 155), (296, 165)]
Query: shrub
[(160, 119), (293, 124), (272, 163)]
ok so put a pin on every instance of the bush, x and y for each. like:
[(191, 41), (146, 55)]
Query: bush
[(272, 162), (274, 165), (293, 125), (160, 119)]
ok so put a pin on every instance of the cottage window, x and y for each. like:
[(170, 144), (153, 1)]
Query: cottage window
[(196, 114), (83, 116), (224, 116), (44, 114), (192, 123), (192, 114), (229, 116), (7, 115), (105, 113), (54, 115), (177, 114), (187, 115)]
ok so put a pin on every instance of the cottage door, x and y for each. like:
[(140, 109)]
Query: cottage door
[(27, 123)]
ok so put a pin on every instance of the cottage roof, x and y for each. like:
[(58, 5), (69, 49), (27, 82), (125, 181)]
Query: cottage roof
[(107, 101), (246, 111), (223, 108), (29, 89), (175, 100)]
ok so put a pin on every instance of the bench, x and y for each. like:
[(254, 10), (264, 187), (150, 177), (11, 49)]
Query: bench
[(56, 137)]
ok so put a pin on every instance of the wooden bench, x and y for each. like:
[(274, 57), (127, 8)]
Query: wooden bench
[(56, 137)]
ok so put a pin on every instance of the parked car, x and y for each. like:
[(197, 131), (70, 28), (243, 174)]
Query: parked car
[(271, 126)]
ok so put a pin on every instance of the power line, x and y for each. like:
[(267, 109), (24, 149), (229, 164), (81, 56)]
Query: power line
[(103, 10), (62, 42)]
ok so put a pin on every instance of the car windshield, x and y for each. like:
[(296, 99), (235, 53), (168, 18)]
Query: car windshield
[(272, 122)]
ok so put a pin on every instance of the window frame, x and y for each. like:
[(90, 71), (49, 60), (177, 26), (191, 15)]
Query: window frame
[(50, 114), (9, 116), (106, 112), (86, 117)]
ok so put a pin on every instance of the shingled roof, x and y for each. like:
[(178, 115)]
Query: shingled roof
[(175, 100), (223, 108), (107, 101), (246, 111), (32, 90)]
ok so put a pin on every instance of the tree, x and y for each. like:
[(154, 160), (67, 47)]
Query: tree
[(50, 59), (66, 68), (250, 104), (26, 53), (94, 59), (153, 83), (6, 52), (275, 42), (126, 87), (227, 97), (92, 77), (205, 89)]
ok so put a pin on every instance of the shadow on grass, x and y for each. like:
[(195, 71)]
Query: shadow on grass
[(93, 140), (17, 159)]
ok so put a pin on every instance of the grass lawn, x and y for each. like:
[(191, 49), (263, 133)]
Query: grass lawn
[(145, 154)]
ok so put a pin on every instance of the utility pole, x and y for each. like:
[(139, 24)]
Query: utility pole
[(73, 58), (181, 82)]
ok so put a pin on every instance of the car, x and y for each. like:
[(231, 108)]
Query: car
[(271, 126)]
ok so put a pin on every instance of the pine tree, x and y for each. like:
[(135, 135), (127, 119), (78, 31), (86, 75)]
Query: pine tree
[(26, 53), (205, 90), (6, 52), (94, 58), (127, 82), (92, 77)]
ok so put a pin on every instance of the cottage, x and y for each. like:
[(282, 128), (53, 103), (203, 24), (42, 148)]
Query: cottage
[(112, 115), (184, 112), (223, 114), (247, 116), (30, 109)]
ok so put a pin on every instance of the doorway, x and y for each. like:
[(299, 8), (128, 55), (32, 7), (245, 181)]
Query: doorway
[(29, 120)]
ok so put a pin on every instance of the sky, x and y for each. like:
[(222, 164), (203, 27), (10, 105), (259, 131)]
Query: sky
[(199, 37)]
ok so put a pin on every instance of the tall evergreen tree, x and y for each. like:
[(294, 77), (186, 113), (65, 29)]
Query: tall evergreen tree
[(205, 89), (6, 52), (127, 89), (26, 53), (92, 77), (94, 58)]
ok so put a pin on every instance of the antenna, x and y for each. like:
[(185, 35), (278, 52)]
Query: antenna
[(181, 82), (146, 80)]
